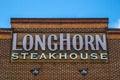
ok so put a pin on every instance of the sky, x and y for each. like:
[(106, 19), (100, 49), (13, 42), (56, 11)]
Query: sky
[(60, 9)]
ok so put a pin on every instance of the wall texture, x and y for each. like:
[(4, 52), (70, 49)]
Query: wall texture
[(59, 71)]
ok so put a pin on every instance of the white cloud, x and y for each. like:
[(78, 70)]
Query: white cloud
[(117, 24)]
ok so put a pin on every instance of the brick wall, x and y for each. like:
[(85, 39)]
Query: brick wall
[(59, 71)]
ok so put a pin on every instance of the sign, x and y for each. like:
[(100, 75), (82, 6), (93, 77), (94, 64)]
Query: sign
[(59, 47)]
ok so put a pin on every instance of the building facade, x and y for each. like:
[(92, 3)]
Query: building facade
[(63, 69)]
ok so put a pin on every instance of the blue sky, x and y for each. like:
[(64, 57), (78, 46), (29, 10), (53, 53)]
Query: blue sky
[(60, 9)]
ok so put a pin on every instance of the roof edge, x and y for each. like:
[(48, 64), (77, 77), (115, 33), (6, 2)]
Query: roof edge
[(59, 20), (113, 31), (5, 30)]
